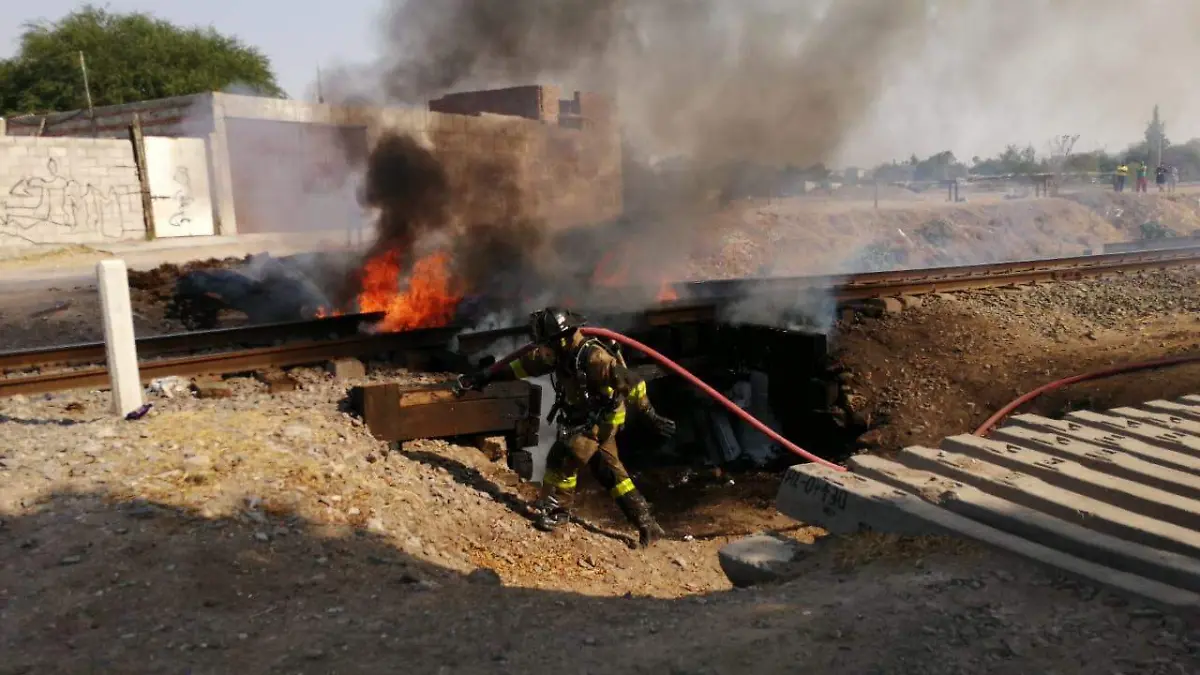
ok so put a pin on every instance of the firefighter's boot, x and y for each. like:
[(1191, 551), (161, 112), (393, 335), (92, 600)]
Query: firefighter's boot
[(553, 510), (637, 511)]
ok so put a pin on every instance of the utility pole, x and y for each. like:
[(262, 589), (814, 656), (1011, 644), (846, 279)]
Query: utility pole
[(87, 91), (1155, 136)]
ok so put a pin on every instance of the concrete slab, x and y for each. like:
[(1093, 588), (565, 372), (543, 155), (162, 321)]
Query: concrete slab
[(1035, 493), (1127, 494), (1177, 408), (1141, 449), (1168, 421), (1150, 433), (1107, 460), (1192, 399), (1035, 525), (844, 503), (761, 559), (881, 506)]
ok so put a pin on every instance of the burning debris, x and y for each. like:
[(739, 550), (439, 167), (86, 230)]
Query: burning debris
[(458, 241), (265, 289), (455, 223), (430, 299)]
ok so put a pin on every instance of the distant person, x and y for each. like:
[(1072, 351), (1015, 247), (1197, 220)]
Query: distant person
[(1173, 179), (1160, 177), (1141, 171), (1119, 178)]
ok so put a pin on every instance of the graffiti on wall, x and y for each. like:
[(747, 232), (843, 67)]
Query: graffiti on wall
[(183, 198), (46, 206), (177, 170)]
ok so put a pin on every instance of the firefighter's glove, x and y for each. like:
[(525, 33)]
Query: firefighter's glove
[(665, 427), (470, 382)]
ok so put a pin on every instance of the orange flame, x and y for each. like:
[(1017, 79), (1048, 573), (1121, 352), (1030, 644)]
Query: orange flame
[(610, 272), (325, 312), (429, 301)]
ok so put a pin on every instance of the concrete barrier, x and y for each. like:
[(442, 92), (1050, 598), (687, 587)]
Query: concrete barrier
[(1179, 408), (120, 345), (1035, 525), (1105, 460), (1107, 439), (1172, 422), (843, 502), (1150, 433), (1130, 495), (1036, 493)]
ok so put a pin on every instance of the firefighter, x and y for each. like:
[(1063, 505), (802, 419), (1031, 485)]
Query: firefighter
[(592, 387)]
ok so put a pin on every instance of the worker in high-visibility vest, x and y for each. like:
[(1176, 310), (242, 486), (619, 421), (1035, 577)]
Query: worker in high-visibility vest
[(592, 386), (1119, 178)]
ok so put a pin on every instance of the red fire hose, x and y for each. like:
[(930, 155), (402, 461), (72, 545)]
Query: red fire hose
[(986, 428), (699, 384)]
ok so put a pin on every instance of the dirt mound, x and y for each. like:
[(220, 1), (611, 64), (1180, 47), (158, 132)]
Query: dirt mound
[(1136, 216), (797, 237), (943, 368), (266, 459), (160, 281)]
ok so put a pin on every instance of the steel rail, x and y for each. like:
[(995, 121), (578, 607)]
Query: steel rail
[(182, 343), (697, 305), (934, 279), (245, 360), (338, 337)]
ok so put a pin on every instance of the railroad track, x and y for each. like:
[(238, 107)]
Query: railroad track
[(340, 337), (849, 288), (331, 328), (243, 360)]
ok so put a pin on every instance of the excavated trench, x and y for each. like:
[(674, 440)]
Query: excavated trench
[(785, 378), (719, 476)]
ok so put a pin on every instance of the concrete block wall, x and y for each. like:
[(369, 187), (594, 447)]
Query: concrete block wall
[(531, 102), (181, 116), (570, 177), (68, 191)]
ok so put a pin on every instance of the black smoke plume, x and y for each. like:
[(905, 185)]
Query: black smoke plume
[(707, 84)]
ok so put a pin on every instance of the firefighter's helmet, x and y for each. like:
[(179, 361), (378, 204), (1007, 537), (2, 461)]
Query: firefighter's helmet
[(551, 323)]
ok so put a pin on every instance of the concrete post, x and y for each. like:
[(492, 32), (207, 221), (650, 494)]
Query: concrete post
[(219, 166), (3, 127), (120, 346)]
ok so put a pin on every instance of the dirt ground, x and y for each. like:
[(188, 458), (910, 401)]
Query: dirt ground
[(272, 534), (831, 235), (945, 367)]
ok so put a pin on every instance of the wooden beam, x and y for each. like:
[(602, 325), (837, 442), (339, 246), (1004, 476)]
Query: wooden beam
[(143, 174), (394, 412)]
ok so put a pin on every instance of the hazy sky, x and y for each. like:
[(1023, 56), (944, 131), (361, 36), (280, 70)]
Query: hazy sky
[(296, 35)]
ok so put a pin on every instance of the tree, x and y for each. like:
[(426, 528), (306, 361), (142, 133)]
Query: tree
[(942, 166), (130, 57), (1014, 160)]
